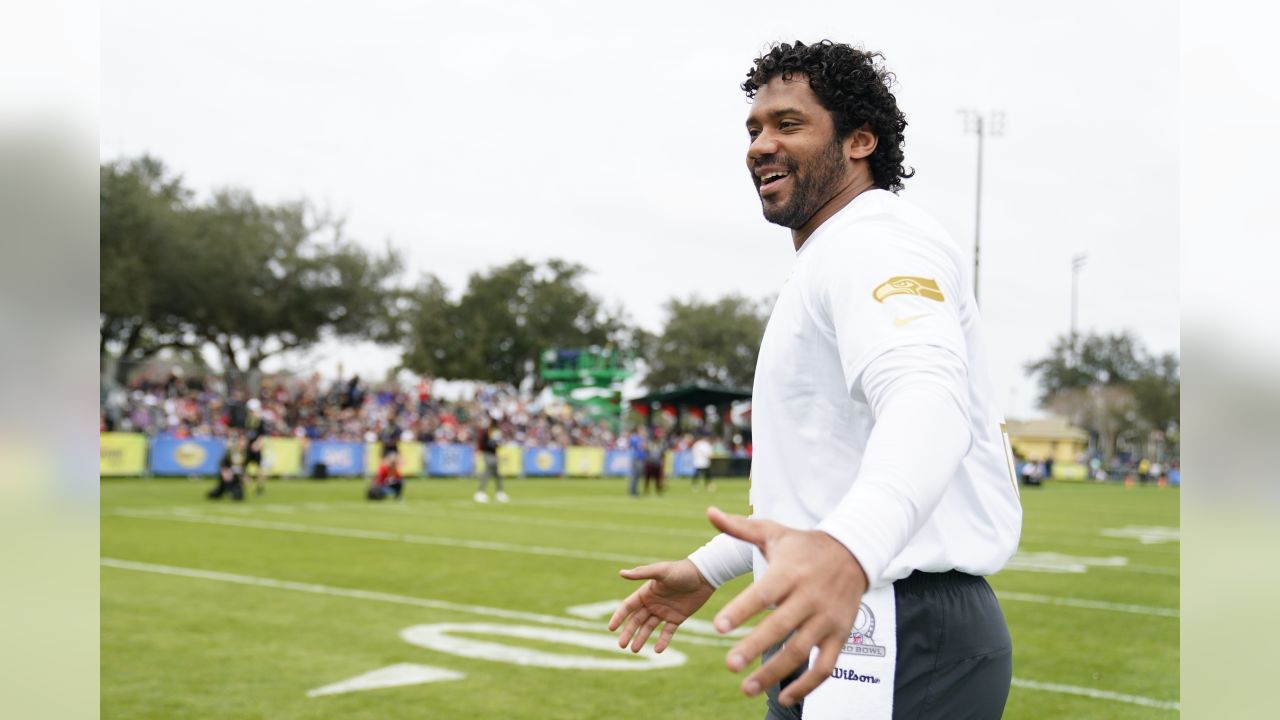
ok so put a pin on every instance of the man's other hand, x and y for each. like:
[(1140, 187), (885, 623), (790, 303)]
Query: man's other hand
[(674, 591), (815, 585)]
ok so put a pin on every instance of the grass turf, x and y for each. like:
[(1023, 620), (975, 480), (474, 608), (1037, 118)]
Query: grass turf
[(236, 646)]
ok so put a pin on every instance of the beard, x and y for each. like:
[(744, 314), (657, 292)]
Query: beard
[(810, 189)]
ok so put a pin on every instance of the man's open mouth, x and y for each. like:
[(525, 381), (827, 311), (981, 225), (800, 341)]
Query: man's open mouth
[(772, 181)]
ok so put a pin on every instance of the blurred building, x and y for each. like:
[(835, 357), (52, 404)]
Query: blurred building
[(1045, 438)]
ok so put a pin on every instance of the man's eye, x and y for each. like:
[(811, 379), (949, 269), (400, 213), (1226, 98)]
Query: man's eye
[(753, 133), (788, 124)]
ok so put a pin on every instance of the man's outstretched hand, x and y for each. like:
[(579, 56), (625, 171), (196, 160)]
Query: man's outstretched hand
[(674, 591), (816, 585)]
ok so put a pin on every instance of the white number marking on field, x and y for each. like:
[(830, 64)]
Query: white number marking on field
[(440, 637), (605, 608), (1147, 535), (1049, 562), (397, 675)]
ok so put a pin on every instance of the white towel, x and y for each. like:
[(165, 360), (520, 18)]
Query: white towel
[(861, 685)]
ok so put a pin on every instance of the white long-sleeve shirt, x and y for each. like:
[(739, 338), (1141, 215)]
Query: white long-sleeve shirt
[(873, 417)]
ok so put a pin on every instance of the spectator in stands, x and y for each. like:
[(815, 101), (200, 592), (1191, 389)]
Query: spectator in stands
[(1156, 471)]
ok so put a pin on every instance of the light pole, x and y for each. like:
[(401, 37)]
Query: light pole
[(982, 126), (1078, 262)]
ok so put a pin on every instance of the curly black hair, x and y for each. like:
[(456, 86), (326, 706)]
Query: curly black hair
[(854, 88)]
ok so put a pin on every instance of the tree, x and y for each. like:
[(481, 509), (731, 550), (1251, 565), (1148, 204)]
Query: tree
[(142, 240), (249, 278), (504, 320), (707, 342), (276, 278), (1111, 386)]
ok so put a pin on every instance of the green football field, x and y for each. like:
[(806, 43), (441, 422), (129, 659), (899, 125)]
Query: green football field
[(310, 602)]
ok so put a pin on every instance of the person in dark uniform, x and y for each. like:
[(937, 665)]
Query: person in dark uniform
[(231, 469), (254, 459)]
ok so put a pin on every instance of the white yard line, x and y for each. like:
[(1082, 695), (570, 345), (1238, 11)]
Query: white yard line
[(1097, 694), (396, 537), (621, 529), (383, 597), (447, 606), (421, 510), (1054, 541), (1089, 604)]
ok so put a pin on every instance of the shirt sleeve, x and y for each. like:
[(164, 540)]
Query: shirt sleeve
[(918, 395), (886, 288), (722, 559)]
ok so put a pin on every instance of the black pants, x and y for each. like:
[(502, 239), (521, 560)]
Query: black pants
[(235, 486), (955, 658), (704, 473), (653, 473)]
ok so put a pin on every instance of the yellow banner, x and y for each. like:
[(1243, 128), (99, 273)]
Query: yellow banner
[(510, 461), (282, 456), (410, 458), (122, 453), (584, 462), (668, 465)]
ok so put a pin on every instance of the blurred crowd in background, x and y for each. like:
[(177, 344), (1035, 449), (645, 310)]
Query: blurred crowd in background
[(352, 410)]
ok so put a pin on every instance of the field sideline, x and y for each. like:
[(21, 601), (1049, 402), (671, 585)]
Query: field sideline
[(265, 609)]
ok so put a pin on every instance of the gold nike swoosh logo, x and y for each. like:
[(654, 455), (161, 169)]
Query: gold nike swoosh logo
[(903, 321)]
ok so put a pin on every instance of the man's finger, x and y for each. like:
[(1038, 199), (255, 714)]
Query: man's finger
[(628, 606), (793, 654), (664, 638), (756, 532), (645, 572), (637, 618), (771, 631), (645, 631), (759, 595), (819, 670)]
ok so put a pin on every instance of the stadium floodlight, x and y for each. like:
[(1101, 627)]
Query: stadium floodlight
[(982, 125), (1078, 262)]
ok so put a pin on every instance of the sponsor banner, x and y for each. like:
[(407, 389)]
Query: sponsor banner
[(411, 460), (617, 463), (451, 460), (543, 462), (122, 454), (584, 461), (341, 458), (187, 456), (1069, 471), (510, 460), (683, 464), (282, 456)]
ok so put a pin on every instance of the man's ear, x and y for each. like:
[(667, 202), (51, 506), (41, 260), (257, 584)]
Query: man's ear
[(861, 143)]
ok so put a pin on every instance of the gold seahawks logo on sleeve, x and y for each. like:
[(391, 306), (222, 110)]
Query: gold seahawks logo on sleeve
[(908, 285)]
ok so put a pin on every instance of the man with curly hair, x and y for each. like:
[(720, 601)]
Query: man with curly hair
[(881, 484)]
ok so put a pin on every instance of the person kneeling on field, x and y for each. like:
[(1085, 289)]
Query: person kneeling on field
[(231, 469), (388, 481)]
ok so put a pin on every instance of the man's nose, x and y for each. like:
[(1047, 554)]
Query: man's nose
[(762, 145)]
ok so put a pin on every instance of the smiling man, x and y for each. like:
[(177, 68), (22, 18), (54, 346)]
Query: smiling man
[(882, 485)]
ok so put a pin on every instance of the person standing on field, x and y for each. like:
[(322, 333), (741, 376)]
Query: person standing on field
[(487, 445), (882, 486), (702, 463)]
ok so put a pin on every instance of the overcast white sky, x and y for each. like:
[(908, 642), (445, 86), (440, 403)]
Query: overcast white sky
[(472, 133)]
